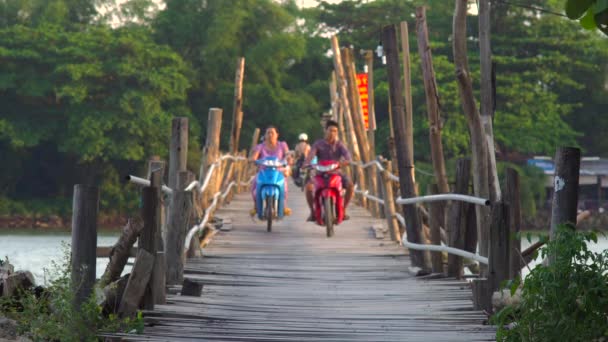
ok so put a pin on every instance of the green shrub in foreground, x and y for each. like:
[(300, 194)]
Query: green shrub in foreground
[(564, 301), (52, 317)]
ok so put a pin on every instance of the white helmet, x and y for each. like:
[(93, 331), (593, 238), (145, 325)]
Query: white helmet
[(303, 137)]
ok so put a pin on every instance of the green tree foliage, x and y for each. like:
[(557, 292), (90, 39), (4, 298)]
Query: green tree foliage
[(535, 76), (70, 14), (86, 98), (282, 73), (91, 97)]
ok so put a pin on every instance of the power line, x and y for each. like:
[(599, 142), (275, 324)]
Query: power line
[(540, 9)]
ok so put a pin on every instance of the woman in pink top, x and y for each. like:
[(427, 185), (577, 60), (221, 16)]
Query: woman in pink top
[(271, 147)]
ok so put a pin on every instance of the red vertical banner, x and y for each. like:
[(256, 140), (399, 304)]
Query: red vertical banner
[(362, 86)]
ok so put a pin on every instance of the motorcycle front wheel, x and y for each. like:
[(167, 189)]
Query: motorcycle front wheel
[(329, 217)]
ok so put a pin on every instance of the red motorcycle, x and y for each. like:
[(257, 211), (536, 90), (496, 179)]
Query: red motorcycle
[(328, 195)]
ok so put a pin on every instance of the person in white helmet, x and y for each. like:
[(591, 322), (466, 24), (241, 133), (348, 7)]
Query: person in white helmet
[(302, 148), (301, 152)]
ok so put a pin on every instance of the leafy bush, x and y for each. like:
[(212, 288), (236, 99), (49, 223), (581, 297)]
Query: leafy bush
[(52, 317), (566, 300)]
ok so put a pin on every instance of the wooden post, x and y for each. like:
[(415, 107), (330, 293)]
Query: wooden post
[(147, 239), (499, 257), (407, 90), (156, 168), (599, 192), (336, 106), (565, 187), (482, 294), (237, 114), (178, 225), (254, 142), (85, 205), (457, 219), (432, 101), (178, 151), (371, 136), (436, 210), (346, 109), (512, 198), (487, 94), (377, 210), (159, 273), (479, 144), (211, 152), (406, 183), (357, 120), (389, 203)]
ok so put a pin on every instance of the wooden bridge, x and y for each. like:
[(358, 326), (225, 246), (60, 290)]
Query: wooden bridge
[(294, 284)]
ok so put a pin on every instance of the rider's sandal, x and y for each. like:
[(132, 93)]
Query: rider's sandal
[(310, 218)]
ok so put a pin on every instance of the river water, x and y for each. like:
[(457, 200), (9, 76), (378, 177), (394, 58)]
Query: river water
[(34, 250)]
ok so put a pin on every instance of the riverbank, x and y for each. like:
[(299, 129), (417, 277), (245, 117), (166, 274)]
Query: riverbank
[(596, 221), (56, 222)]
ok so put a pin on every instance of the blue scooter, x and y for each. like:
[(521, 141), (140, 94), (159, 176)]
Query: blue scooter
[(270, 190)]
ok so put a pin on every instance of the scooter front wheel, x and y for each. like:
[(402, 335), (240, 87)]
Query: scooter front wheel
[(269, 213)]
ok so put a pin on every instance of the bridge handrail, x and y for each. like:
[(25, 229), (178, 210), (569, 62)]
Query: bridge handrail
[(208, 211), (379, 166), (145, 182), (438, 248), (368, 196), (203, 187), (420, 199), (443, 197)]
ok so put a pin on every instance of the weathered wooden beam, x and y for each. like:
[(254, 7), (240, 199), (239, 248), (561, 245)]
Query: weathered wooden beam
[(389, 203), (512, 198), (237, 113), (176, 233), (406, 183), (565, 187), (457, 222), (137, 284), (120, 253), (499, 258), (211, 153), (347, 111), (478, 144), (147, 239), (178, 149), (407, 92), (432, 101), (85, 206), (436, 210)]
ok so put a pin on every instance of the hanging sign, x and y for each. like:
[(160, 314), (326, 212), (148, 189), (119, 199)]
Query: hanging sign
[(362, 86)]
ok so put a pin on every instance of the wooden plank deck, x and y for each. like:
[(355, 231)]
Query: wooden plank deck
[(294, 284)]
